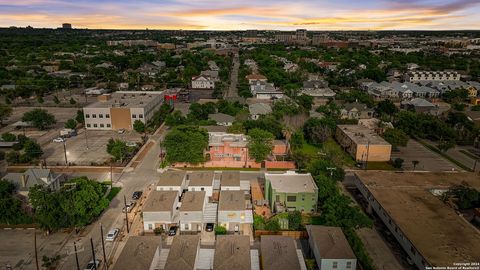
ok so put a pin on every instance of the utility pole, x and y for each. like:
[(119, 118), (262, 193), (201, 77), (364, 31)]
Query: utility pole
[(111, 175), (103, 247), (35, 245), (65, 152), (93, 254), (86, 138), (126, 213), (76, 255)]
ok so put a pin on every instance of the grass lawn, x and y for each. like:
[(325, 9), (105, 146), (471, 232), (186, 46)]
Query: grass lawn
[(384, 166), (335, 151), (310, 149), (113, 192)]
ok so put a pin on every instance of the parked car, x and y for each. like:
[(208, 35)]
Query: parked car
[(136, 195), (59, 139), (209, 227), (172, 231), (93, 265), (121, 131), (129, 207), (131, 144), (112, 234)]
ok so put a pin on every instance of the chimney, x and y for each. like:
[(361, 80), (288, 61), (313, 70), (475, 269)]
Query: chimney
[(24, 180)]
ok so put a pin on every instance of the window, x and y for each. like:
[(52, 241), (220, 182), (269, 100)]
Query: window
[(107, 115), (186, 226), (193, 189), (108, 125), (334, 265), (150, 227), (277, 198), (87, 115), (88, 125), (134, 116), (291, 198), (100, 116), (349, 265), (95, 125), (140, 116), (94, 116), (202, 189), (102, 125)]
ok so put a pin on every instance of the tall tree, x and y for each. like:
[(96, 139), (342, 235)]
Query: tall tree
[(260, 144), (5, 112), (186, 144), (39, 118)]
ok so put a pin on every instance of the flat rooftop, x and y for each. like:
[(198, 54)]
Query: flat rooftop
[(278, 253), (127, 99), (159, 201), (331, 242), (138, 253), (362, 135), (201, 178), (291, 182), (231, 200), (230, 178), (193, 201), (232, 252), (183, 252), (434, 228), (171, 178)]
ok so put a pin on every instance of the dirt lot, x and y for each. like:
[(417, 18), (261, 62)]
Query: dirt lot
[(77, 151), (429, 161)]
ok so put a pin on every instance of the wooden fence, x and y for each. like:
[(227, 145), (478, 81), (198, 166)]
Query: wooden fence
[(293, 234)]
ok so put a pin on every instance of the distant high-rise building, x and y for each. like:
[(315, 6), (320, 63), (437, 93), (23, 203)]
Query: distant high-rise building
[(67, 26), (301, 34)]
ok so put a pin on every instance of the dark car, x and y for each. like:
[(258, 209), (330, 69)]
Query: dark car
[(172, 231), (136, 195), (209, 227), (93, 265)]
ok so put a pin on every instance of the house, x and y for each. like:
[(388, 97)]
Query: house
[(172, 180), (230, 180), (419, 105), (291, 191), (319, 90), (265, 90), (362, 143), (330, 248), (183, 253), (139, 253), (227, 148), (258, 109), (160, 210), (255, 77), (213, 66), (222, 119), (232, 252), (356, 110), (473, 88), (201, 181), (212, 74), (279, 253), (234, 213), (191, 211), (202, 82), (35, 176)]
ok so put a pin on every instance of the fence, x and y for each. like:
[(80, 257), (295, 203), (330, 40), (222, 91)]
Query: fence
[(293, 234)]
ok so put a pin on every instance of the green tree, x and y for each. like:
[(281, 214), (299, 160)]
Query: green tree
[(118, 149), (272, 225), (220, 230), (295, 220), (56, 100), (445, 145), (398, 163), (260, 144), (9, 137), (236, 128), (468, 197), (186, 144), (11, 211), (297, 140), (71, 123), (40, 99), (139, 126), (386, 107), (175, 119), (32, 149), (80, 118), (396, 137), (5, 112), (73, 101), (415, 164), (326, 167), (317, 131), (305, 101), (39, 118)]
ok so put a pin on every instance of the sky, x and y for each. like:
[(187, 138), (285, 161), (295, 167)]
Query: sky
[(244, 14)]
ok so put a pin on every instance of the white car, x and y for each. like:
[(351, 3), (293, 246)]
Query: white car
[(59, 140), (131, 144), (93, 265), (121, 131), (112, 234)]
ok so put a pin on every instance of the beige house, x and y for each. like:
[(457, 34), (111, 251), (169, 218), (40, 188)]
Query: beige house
[(191, 211), (121, 109), (362, 143), (234, 211), (160, 210)]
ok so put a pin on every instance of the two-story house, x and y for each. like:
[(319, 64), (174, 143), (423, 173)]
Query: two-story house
[(191, 211), (201, 181), (356, 110), (202, 82), (234, 212), (172, 181), (160, 210)]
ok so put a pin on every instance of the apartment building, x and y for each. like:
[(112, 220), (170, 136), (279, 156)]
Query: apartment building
[(121, 109), (421, 76), (291, 191), (330, 248), (160, 210), (362, 143)]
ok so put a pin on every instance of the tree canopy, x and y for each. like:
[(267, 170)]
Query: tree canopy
[(186, 144), (39, 118), (260, 144)]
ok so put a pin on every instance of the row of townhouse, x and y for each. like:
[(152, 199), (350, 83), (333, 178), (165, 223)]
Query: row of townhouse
[(327, 245), (398, 90), (422, 76)]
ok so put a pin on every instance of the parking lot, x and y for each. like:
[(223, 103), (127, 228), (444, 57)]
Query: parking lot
[(89, 149), (428, 160)]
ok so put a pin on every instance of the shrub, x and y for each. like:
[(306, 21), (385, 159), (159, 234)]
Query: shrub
[(9, 137), (158, 231), (220, 230)]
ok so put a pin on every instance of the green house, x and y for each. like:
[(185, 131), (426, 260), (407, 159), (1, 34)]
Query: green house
[(291, 191)]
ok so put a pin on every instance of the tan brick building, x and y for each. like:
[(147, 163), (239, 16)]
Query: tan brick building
[(362, 143)]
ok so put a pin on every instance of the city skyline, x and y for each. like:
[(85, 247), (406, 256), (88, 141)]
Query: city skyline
[(242, 15)]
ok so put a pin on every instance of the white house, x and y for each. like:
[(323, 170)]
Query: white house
[(330, 248), (172, 180), (191, 211), (202, 82), (233, 211), (160, 210), (201, 181), (34, 176)]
